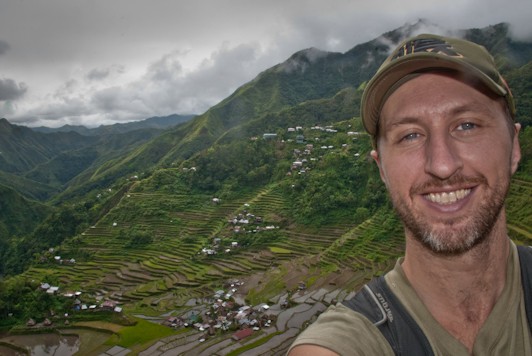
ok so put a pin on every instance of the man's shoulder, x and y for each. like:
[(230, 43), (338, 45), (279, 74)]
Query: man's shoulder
[(344, 331)]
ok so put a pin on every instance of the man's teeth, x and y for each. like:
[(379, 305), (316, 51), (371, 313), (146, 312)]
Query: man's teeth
[(449, 197)]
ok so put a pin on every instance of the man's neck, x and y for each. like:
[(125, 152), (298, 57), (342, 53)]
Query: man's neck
[(459, 291)]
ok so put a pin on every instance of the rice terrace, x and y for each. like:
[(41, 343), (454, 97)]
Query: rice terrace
[(215, 264)]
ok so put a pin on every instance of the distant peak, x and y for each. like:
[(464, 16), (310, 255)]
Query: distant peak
[(393, 38), (421, 26), (300, 60), (4, 122), (6, 127)]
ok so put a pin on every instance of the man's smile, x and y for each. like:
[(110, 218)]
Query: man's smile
[(445, 198)]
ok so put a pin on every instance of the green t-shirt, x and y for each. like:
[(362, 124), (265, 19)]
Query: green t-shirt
[(505, 332)]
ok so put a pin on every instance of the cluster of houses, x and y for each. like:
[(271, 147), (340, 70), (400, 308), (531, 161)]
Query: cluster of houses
[(237, 224), (299, 136), (56, 258), (216, 246), (241, 222), (67, 261), (300, 165), (78, 305), (224, 314), (32, 323), (107, 305)]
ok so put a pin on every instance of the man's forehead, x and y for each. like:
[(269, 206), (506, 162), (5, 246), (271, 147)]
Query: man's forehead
[(437, 93)]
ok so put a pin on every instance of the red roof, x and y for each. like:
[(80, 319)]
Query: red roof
[(239, 335)]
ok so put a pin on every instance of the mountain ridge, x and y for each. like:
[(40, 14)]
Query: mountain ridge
[(307, 75), (155, 122)]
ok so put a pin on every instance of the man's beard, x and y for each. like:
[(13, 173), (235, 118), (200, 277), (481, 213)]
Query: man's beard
[(450, 240)]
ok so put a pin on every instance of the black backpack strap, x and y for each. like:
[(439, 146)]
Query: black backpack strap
[(525, 261), (380, 305)]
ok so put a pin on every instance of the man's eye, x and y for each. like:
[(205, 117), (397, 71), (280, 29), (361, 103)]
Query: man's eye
[(411, 136), (466, 126)]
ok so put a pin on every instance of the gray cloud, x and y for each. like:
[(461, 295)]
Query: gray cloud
[(166, 88), (4, 47), (107, 61), (11, 90), (98, 74), (103, 73)]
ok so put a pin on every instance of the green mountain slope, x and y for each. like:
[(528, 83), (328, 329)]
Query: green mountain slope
[(19, 215), (23, 149), (51, 160), (308, 75)]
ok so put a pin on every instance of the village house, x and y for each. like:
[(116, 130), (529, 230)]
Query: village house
[(297, 164), (269, 136), (242, 334), (208, 251), (52, 290), (218, 294), (108, 305), (263, 307), (173, 321)]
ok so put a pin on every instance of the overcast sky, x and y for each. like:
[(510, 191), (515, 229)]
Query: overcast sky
[(93, 62)]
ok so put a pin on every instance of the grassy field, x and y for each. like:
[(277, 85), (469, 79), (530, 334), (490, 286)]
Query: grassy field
[(141, 335)]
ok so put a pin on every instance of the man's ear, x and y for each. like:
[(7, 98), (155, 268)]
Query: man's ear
[(516, 149), (375, 155)]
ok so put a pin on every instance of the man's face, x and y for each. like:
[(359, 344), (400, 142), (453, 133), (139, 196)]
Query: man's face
[(446, 156)]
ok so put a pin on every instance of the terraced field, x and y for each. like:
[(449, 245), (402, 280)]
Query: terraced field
[(518, 207), (173, 269)]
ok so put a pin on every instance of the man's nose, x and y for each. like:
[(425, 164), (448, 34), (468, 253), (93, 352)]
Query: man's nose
[(443, 158)]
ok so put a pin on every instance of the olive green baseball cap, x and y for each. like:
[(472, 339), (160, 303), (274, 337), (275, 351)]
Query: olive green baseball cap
[(427, 53)]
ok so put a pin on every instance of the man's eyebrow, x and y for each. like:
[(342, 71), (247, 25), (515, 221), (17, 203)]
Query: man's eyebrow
[(407, 120), (471, 107), (461, 109)]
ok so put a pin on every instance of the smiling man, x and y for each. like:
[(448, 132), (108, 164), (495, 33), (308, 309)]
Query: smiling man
[(441, 119)]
